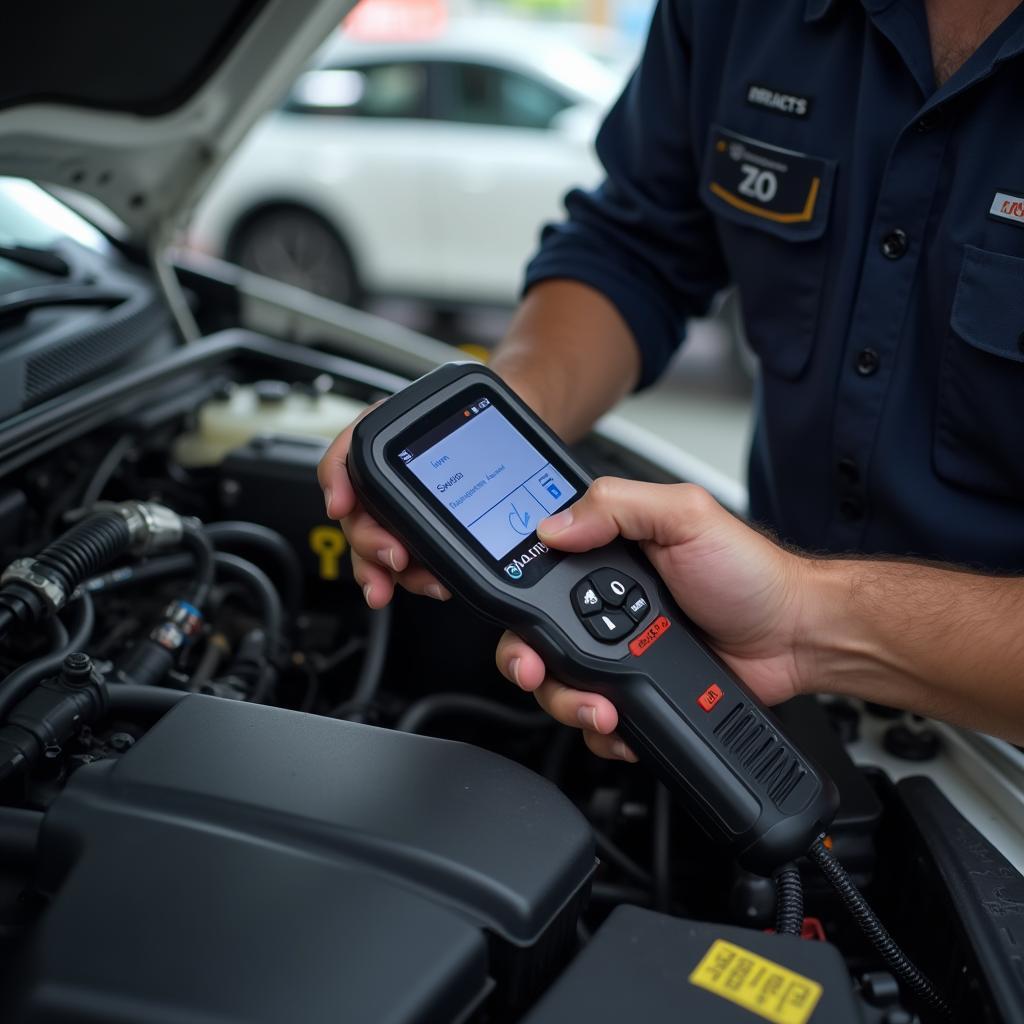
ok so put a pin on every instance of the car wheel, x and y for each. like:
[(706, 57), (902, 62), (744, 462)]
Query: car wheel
[(298, 247)]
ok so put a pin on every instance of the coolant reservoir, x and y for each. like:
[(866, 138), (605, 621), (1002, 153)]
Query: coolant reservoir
[(267, 407)]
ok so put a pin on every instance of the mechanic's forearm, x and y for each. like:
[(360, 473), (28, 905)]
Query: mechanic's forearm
[(935, 641), (569, 354)]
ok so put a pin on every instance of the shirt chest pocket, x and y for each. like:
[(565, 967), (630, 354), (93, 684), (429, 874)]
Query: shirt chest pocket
[(979, 429), (771, 207)]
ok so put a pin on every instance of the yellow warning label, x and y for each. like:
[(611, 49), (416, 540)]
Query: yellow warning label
[(758, 985)]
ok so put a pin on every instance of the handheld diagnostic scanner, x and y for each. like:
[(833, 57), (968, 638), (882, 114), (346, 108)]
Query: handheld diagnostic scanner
[(462, 471)]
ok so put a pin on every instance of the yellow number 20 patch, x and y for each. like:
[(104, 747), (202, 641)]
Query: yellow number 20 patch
[(758, 985)]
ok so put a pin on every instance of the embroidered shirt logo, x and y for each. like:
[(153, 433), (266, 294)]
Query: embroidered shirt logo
[(780, 102), (1008, 207)]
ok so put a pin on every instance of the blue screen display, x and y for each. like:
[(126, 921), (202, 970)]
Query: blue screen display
[(491, 479)]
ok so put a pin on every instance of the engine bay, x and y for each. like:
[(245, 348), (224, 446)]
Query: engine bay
[(254, 799)]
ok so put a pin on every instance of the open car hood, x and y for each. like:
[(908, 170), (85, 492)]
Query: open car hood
[(139, 105)]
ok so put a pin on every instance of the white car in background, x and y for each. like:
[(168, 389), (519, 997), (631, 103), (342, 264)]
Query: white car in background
[(416, 169)]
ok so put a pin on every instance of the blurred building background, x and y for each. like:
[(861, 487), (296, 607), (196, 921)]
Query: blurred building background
[(413, 164)]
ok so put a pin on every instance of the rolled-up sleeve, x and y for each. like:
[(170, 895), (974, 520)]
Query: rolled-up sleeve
[(642, 238)]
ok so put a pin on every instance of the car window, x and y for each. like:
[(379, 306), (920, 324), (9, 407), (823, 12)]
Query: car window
[(478, 94), (373, 90)]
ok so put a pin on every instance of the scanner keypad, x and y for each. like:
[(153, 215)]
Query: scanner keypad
[(610, 604)]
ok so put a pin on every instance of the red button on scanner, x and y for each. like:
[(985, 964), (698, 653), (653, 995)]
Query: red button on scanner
[(649, 635), (710, 697)]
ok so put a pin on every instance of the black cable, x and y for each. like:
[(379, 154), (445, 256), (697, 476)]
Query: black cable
[(106, 470), (216, 649), (180, 564), (260, 587), (152, 569), (614, 854), (324, 663), (789, 901), (418, 714), (19, 835), (58, 635), (557, 752), (20, 681), (195, 541), (875, 932), (378, 640), (662, 859), (603, 892), (232, 533), (371, 671)]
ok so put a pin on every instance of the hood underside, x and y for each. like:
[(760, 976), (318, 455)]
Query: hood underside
[(137, 104)]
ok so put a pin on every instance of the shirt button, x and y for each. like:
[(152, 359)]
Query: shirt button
[(851, 510), (894, 245), (848, 471), (867, 362), (931, 120)]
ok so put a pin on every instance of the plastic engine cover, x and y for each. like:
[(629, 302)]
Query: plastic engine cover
[(245, 863)]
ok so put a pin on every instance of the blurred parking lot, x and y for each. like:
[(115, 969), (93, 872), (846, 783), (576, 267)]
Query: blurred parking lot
[(411, 166)]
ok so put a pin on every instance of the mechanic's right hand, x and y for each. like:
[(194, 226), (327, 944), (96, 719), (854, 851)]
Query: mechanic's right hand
[(379, 560), (746, 593)]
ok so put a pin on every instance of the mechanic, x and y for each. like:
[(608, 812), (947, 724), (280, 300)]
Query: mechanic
[(854, 168)]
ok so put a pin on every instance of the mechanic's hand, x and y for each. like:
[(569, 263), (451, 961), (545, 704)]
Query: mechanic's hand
[(735, 584), (379, 560)]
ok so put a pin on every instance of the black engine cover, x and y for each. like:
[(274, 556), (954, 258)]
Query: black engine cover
[(246, 863)]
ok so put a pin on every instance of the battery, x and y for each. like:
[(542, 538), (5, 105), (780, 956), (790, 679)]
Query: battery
[(649, 967)]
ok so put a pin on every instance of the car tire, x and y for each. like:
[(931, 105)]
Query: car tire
[(298, 247)]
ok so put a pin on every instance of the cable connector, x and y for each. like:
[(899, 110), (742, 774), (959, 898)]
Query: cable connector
[(152, 526), (30, 574), (149, 661)]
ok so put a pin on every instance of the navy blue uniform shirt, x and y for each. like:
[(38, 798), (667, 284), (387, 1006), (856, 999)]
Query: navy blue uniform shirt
[(874, 225)]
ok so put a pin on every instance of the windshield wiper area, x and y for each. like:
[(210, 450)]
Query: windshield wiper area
[(17, 305), (39, 259)]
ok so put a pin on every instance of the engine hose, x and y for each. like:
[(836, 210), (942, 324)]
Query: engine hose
[(789, 901), (195, 540), (894, 958), (232, 534), (86, 548), (419, 713), (21, 680), (33, 588)]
